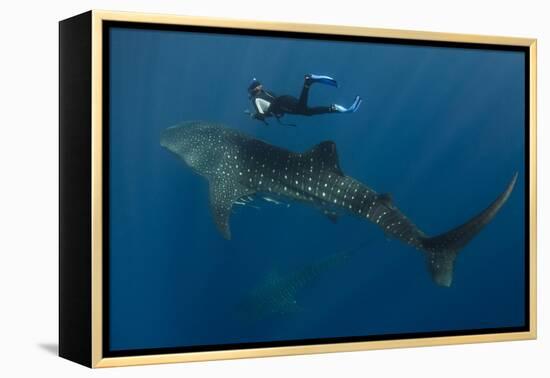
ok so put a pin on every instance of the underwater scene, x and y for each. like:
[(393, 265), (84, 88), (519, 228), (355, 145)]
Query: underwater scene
[(275, 189)]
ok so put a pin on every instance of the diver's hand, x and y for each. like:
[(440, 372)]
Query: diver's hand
[(257, 116), (260, 117)]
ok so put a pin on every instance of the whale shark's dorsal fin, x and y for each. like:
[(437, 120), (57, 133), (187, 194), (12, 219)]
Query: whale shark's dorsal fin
[(325, 157), (223, 193)]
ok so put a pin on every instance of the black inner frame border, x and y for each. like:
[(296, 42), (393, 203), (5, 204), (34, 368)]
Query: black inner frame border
[(107, 25)]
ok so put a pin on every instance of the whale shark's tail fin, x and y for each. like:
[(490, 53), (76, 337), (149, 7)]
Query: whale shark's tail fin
[(441, 250)]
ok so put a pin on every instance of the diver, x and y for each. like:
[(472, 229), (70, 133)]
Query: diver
[(267, 104)]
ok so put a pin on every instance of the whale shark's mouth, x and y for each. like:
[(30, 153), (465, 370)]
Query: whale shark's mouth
[(165, 137)]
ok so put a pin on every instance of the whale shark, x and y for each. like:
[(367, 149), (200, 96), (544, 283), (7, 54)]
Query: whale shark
[(278, 293), (237, 165)]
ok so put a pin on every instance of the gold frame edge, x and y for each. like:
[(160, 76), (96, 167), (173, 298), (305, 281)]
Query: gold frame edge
[(97, 195), (98, 16), (157, 18), (533, 188)]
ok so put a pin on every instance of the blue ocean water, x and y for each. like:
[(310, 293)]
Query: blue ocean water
[(441, 129)]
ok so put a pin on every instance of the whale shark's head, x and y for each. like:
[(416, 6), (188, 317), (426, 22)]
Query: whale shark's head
[(198, 144)]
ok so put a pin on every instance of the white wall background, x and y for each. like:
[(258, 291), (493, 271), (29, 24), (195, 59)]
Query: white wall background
[(28, 186)]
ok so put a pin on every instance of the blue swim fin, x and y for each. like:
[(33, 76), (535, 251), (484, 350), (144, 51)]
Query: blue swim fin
[(323, 79), (352, 109)]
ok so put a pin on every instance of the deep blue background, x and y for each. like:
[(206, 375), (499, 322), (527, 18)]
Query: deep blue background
[(441, 129)]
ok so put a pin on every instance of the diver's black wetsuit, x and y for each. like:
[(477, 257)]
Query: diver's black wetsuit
[(292, 105), (279, 105), (267, 104)]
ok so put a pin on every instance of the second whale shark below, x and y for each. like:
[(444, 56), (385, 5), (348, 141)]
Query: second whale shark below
[(237, 165), (278, 293)]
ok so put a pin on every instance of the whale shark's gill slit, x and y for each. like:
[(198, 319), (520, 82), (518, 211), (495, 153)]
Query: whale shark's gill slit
[(245, 204), (257, 202)]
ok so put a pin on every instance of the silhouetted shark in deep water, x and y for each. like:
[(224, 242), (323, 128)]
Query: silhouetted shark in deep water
[(237, 165), (278, 294)]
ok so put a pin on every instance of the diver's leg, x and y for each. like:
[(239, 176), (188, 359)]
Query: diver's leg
[(334, 108), (317, 110), (310, 79), (304, 95), (322, 79), (285, 104)]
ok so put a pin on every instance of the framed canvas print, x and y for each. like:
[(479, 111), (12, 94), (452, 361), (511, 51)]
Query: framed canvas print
[(237, 189)]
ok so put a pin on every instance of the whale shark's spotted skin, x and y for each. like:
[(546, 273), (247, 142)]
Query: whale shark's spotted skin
[(237, 165), (246, 166)]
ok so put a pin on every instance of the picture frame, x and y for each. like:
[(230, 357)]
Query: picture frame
[(86, 271)]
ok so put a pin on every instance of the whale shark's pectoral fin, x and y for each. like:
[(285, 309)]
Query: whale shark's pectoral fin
[(324, 157), (223, 194)]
